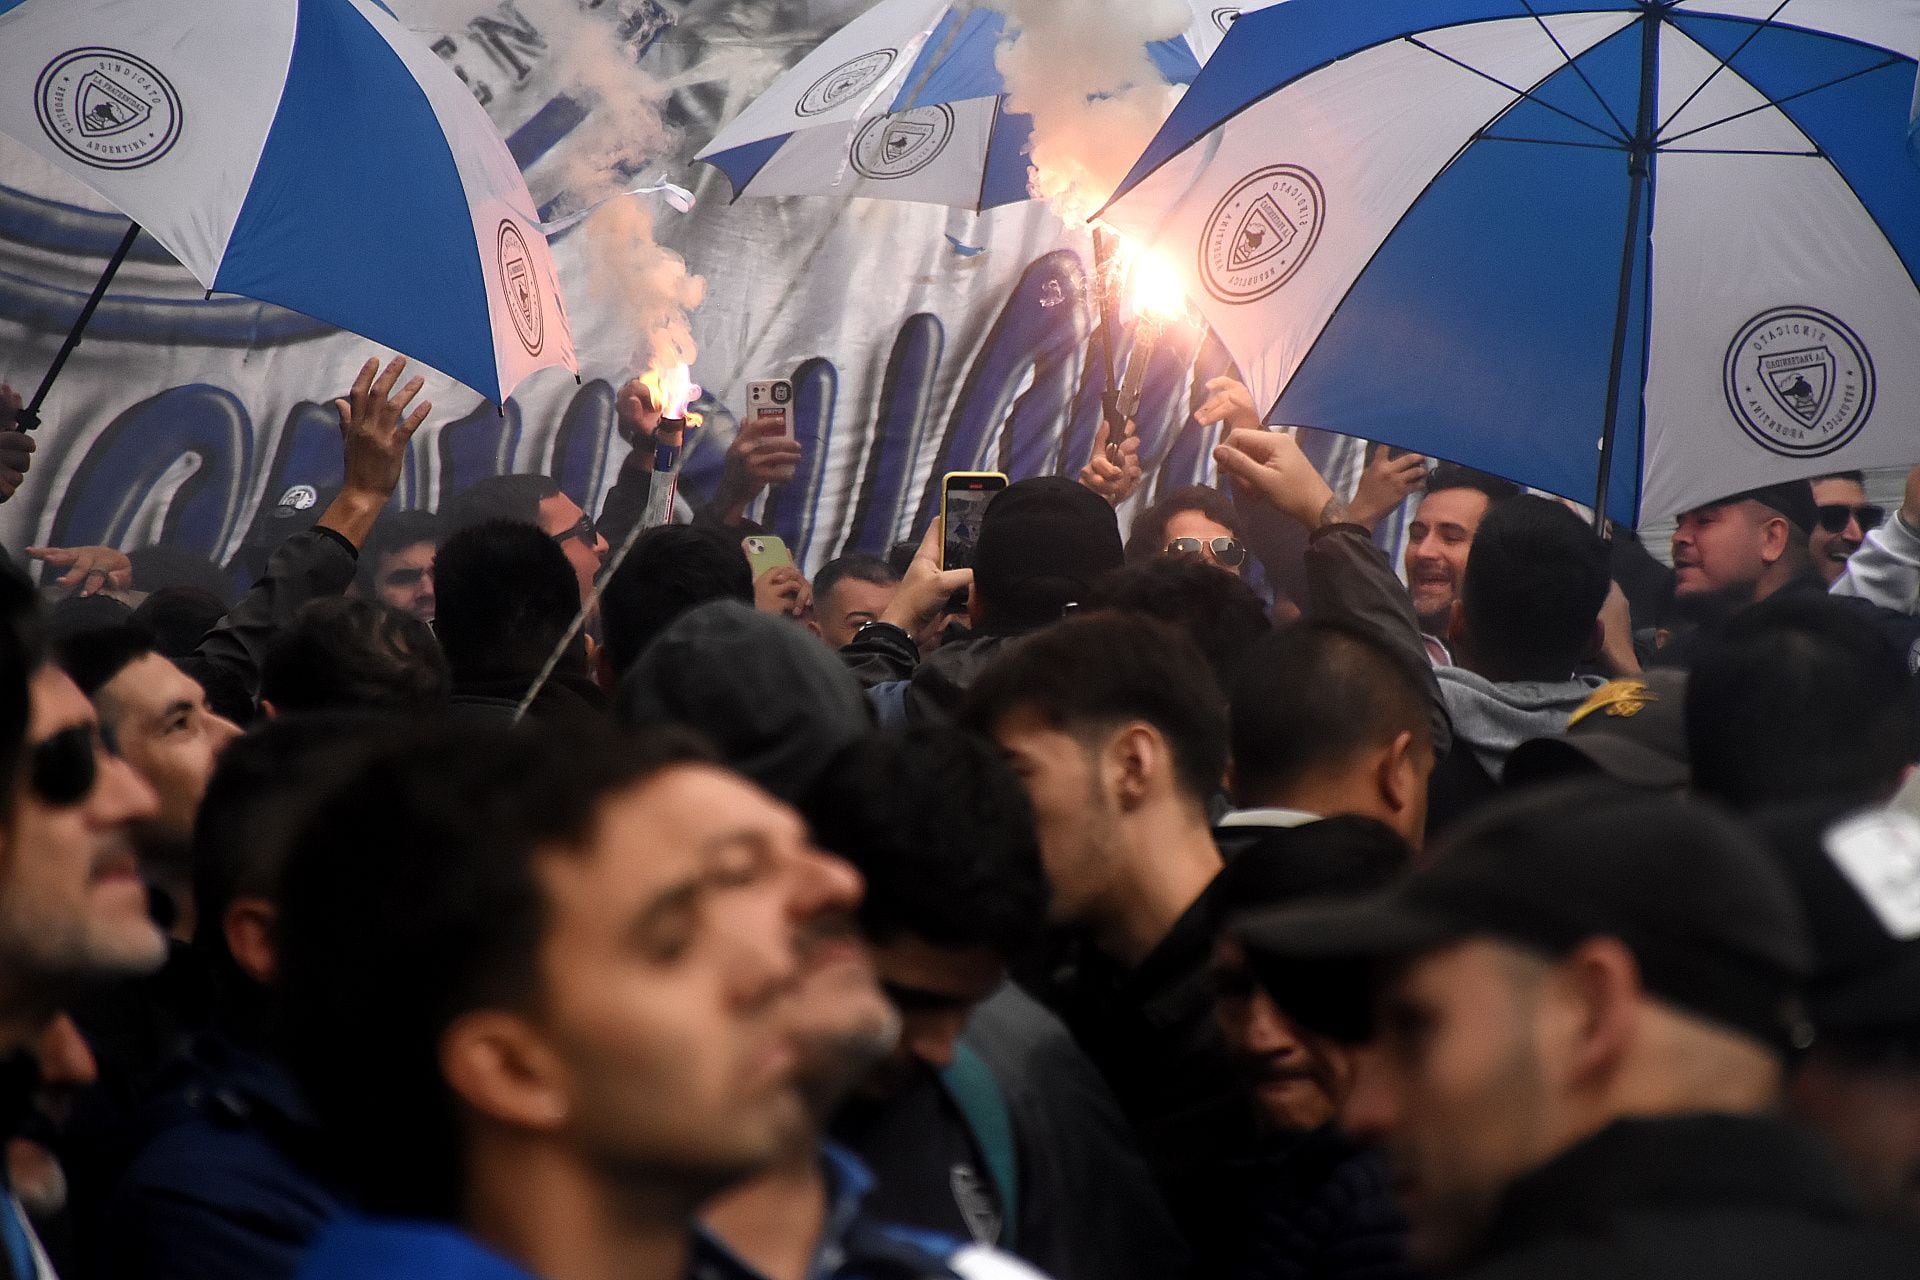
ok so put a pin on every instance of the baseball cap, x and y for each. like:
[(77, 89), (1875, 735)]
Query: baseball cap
[(1791, 498), (1858, 877), (1043, 542), (1633, 731), (1710, 919)]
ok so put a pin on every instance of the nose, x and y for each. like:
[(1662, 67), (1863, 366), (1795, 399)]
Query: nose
[(600, 547), (824, 883), (931, 1037), (121, 795), (1371, 1111), (64, 1055), (224, 730)]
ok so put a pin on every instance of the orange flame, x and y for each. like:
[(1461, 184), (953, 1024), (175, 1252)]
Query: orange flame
[(1157, 289), (673, 389)]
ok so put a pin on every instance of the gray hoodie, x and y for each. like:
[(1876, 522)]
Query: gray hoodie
[(1493, 719)]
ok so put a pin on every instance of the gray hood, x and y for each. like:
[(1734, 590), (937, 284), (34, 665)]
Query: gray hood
[(1492, 719)]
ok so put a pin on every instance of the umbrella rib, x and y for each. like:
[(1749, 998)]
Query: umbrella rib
[(1739, 151), (1524, 93), (1553, 142), (1776, 103), (1574, 65), (1721, 65)]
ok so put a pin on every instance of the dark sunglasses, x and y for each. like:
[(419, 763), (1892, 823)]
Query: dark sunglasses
[(1226, 551), (583, 531), (63, 768), (1834, 516)]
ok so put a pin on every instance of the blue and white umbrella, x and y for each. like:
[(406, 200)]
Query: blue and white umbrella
[(905, 103), (309, 153), (1681, 236)]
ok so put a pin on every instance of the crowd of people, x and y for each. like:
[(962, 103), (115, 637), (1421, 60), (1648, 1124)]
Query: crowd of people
[(510, 891)]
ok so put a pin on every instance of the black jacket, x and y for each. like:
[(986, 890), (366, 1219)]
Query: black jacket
[(1322, 1208), (1704, 1197)]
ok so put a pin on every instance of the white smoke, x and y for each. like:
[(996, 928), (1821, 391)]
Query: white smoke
[(1080, 69), (628, 271)]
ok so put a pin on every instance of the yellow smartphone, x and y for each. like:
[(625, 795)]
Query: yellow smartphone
[(964, 496), (765, 552)]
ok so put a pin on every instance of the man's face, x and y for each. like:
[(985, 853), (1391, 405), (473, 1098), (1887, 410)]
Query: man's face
[(1298, 1078), (1452, 1090), (73, 909), (1201, 527), (1438, 543), (935, 989), (1720, 550), (849, 606), (586, 552), (163, 727), (1074, 818), (405, 579), (1830, 550), (675, 952), (1869, 1114)]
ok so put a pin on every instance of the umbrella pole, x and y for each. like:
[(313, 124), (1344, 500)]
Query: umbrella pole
[(1639, 165), (30, 416)]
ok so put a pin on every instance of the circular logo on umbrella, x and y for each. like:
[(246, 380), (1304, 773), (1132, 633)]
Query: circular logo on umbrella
[(107, 108), (1223, 18), (849, 78), (521, 286), (902, 145), (1799, 381), (1261, 232)]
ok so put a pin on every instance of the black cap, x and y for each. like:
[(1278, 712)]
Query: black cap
[(1043, 543), (1709, 918), (1858, 877), (1633, 731), (1791, 498)]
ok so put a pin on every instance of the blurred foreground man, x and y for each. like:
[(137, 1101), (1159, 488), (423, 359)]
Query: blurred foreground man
[(1581, 1009), (565, 1021)]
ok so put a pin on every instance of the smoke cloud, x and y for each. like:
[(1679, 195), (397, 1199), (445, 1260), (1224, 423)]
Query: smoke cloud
[(628, 272), (1081, 70)]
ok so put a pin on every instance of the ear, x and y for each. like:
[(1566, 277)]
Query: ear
[(600, 662), (1775, 535), (1133, 760), (974, 608), (248, 926), (268, 710), (1601, 992), (502, 1068), (1397, 774), (812, 624), (1596, 642)]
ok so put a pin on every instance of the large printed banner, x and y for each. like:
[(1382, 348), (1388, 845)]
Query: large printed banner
[(920, 339)]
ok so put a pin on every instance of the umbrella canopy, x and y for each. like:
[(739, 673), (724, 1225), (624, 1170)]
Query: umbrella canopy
[(309, 153), (905, 103), (1657, 251)]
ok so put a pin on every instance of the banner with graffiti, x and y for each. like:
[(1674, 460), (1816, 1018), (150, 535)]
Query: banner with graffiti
[(919, 338)]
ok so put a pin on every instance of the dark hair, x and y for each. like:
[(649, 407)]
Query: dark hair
[(1802, 698), (505, 594), (342, 653), (1313, 695), (512, 498), (395, 532), (941, 828), (1451, 475), (178, 618), (1102, 670), (859, 568), (900, 555), (1533, 588), (1217, 610), (1856, 477), (671, 569), (1345, 855), (1148, 537), (160, 567), (261, 792), (94, 658), (411, 896), (22, 652)]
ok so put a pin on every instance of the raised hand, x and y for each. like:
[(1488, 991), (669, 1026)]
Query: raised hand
[(1269, 466), (1228, 401), (1385, 484), (926, 588), (782, 590), (375, 427), (1113, 481), (90, 569), (761, 454)]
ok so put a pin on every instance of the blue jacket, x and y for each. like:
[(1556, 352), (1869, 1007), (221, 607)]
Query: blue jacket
[(356, 1248)]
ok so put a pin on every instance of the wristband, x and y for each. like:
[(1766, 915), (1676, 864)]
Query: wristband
[(895, 627)]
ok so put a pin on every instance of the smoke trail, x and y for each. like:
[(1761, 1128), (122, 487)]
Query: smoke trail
[(628, 272), (1080, 69)]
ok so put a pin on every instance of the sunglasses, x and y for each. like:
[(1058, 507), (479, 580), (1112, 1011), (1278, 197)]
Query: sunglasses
[(1834, 516), (63, 768), (583, 531), (1226, 551)]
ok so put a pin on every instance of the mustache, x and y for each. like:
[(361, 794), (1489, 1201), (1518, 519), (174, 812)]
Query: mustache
[(829, 927)]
